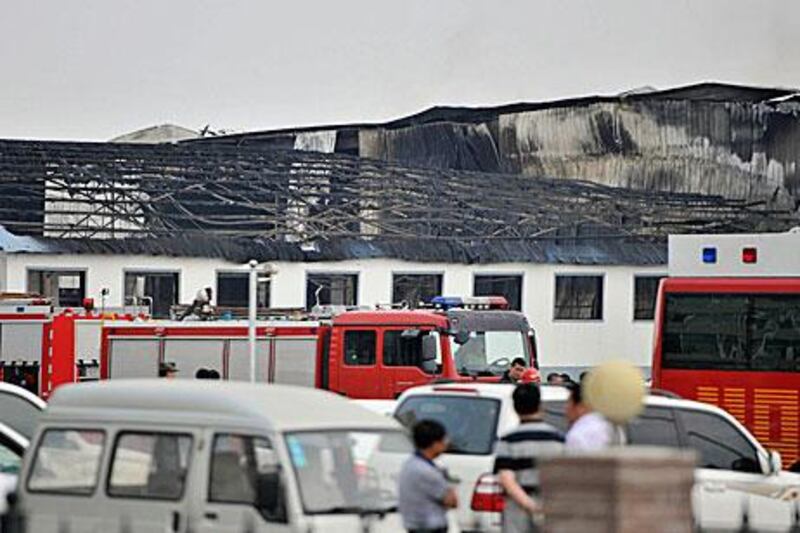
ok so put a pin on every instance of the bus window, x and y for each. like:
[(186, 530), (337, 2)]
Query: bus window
[(732, 332), (705, 332)]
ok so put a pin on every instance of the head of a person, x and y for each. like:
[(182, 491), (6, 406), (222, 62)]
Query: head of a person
[(527, 400), (576, 407), (210, 293), (202, 373), (554, 378), (430, 438), (517, 368), (566, 378), (213, 374)]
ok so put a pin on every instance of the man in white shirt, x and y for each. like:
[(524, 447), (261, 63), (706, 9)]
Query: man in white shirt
[(589, 431)]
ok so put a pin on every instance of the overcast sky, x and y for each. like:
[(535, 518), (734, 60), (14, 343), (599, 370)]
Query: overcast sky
[(93, 69)]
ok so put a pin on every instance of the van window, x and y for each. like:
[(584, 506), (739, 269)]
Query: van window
[(150, 465), (718, 442), (359, 348), (471, 422), (67, 461), (236, 463)]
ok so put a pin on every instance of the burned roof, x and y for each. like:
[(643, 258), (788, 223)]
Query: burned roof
[(239, 203)]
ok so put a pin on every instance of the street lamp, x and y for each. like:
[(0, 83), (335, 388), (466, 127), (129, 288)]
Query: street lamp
[(263, 274)]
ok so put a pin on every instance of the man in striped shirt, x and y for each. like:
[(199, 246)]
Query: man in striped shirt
[(516, 456)]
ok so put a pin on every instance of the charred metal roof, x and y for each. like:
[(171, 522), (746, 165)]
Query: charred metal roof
[(238, 203)]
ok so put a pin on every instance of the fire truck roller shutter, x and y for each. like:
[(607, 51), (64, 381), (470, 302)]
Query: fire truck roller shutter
[(239, 361), (295, 360), (190, 355), (133, 358), (21, 342)]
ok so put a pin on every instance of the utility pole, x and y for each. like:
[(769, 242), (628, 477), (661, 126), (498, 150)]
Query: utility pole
[(251, 316)]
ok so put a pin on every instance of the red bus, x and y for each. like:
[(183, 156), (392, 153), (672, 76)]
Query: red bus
[(727, 331)]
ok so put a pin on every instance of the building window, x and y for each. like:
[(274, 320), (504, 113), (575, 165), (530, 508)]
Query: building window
[(65, 288), (331, 289), (509, 286), (579, 298), (233, 290), (359, 348), (645, 290), (414, 289), (159, 289)]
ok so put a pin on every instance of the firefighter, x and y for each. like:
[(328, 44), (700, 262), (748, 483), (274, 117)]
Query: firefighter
[(201, 306)]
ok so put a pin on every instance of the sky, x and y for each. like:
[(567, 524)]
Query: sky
[(95, 69)]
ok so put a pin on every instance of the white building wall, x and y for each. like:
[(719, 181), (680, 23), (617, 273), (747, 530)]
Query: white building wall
[(561, 343)]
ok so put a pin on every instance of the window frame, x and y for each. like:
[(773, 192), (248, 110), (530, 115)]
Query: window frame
[(177, 272), (496, 274), (100, 463), (356, 275), (603, 300), (348, 330), (655, 300), (246, 274), (110, 470), (400, 273), (83, 272)]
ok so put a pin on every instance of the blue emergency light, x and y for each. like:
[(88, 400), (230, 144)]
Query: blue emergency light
[(709, 255), (447, 302)]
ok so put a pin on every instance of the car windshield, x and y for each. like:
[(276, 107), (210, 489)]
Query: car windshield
[(348, 471), (488, 352), (471, 422)]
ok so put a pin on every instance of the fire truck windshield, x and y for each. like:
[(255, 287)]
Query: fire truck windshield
[(758, 332), (488, 353)]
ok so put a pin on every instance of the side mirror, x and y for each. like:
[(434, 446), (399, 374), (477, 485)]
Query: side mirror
[(429, 347), (775, 462), (269, 496), (461, 337)]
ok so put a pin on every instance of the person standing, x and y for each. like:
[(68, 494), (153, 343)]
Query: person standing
[(516, 456), (589, 431), (514, 372), (424, 493), (168, 370)]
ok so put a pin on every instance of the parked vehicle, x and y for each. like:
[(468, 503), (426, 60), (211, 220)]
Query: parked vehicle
[(735, 471), (147, 456), (727, 330), (12, 447)]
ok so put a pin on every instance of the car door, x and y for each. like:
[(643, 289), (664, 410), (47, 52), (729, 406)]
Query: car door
[(730, 482), (359, 375), (403, 364), (148, 475), (243, 472)]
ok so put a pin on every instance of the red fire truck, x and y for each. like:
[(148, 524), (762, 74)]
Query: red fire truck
[(372, 354), (727, 330)]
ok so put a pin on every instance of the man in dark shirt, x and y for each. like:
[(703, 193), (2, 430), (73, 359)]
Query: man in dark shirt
[(514, 372), (516, 460)]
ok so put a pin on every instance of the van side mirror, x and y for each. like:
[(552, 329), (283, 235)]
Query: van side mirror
[(269, 496), (429, 347), (775, 462)]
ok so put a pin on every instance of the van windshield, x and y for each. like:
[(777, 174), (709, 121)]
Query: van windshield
[(488, 352), (471, 422), (348, 471)]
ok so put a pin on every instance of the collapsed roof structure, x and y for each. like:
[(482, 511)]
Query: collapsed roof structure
[(238, 202), (709, 138)]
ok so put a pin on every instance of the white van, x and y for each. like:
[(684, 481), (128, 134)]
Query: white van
[(144, 456)]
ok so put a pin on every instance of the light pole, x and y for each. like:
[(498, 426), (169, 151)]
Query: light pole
[(252, 307)]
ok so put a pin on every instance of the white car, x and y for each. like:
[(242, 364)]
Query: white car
[(19, 414), (735, 475)]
